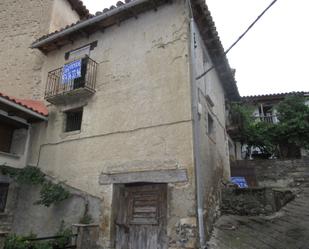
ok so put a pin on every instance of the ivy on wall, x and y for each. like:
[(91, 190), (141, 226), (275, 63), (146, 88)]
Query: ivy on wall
[(50, 193)]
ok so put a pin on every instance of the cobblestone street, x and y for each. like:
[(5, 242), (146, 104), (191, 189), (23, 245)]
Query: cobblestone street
[(286, 229)]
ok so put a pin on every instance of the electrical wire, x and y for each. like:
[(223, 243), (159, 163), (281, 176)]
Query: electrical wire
[(240, 37)]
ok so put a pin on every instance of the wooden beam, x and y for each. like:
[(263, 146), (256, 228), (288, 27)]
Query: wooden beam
[(155, 176), (84, 33)]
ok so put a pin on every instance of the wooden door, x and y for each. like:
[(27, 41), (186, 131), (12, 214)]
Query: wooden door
[(141, 219)]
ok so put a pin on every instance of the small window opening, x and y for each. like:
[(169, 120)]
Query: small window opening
[(74, 120), (13, 136), (210, 126), (4, 188)]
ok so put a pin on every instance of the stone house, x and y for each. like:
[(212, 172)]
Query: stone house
[(132, 129), (263, 109)]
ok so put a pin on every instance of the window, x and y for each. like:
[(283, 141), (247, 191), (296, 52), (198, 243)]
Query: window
[(13, 135), (81, 51), (4, 188), (210, 126), (74, 120), (6, 134), (78, 53)]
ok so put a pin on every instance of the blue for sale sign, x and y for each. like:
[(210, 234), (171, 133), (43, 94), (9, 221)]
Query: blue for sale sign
[(239, 181), (71, 71)]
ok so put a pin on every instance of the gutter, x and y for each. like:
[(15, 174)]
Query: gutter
[(88, 22), (23, 109), (196, 136)]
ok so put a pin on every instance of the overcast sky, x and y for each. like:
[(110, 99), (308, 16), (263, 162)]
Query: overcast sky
[(273, 56)]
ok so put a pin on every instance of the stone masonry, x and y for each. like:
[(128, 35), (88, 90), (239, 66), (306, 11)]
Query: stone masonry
[(286, 229)]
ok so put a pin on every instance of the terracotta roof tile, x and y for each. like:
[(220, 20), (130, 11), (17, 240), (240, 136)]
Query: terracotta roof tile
[(80, 8), (33, 105)]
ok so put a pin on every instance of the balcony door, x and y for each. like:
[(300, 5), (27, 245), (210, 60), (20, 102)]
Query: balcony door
[(80, 82)]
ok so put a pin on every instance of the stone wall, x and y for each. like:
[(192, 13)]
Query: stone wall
[(277, 173), (254, 201), (21, 23), (61, 15), (46, 221)]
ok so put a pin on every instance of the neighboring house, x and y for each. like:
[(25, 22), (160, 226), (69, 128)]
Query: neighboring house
[(264, 106), (264, 110), (21, 22), (17, 117), (129, 125)]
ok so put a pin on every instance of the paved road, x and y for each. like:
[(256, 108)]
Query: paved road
[(286, 229)]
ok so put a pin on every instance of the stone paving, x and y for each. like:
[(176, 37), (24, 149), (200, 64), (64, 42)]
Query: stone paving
[(286, 229)]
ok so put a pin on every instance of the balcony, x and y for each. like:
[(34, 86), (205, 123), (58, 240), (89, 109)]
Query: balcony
[(271, 119), (65, 86)]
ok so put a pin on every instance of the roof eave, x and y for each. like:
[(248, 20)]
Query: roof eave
[(23, 109), (212, 41), (270, 97), (86, 23), (80, 9)]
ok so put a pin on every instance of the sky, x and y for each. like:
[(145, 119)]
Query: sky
[(273, 56)]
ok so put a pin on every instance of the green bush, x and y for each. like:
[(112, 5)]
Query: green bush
[(30, 175), (23, 242), (282, 139), (14, 241), (52, 193)]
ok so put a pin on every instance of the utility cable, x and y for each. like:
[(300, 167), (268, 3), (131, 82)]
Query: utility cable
[(240, 37)]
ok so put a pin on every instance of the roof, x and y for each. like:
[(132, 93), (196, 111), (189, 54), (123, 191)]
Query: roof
[(273, 96), (36, 106), (210, 36), (122, 11), (91, 24), (80, 8)]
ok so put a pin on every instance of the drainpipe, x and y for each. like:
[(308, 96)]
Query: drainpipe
[(196, 135)]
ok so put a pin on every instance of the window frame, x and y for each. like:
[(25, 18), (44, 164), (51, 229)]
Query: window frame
[(67, 128)]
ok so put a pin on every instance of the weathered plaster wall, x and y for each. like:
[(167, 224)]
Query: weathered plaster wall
[(46, 221), (21, 23), (140, 115), (62, 15), (214, 140)]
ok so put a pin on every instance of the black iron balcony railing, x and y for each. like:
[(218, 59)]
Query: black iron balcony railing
[(58, 87), (272, 119)]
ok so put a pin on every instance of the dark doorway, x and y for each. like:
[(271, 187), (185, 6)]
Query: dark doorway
[(141, 217)]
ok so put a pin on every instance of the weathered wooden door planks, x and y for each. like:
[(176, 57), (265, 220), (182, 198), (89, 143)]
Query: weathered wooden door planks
[(141, 219)]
